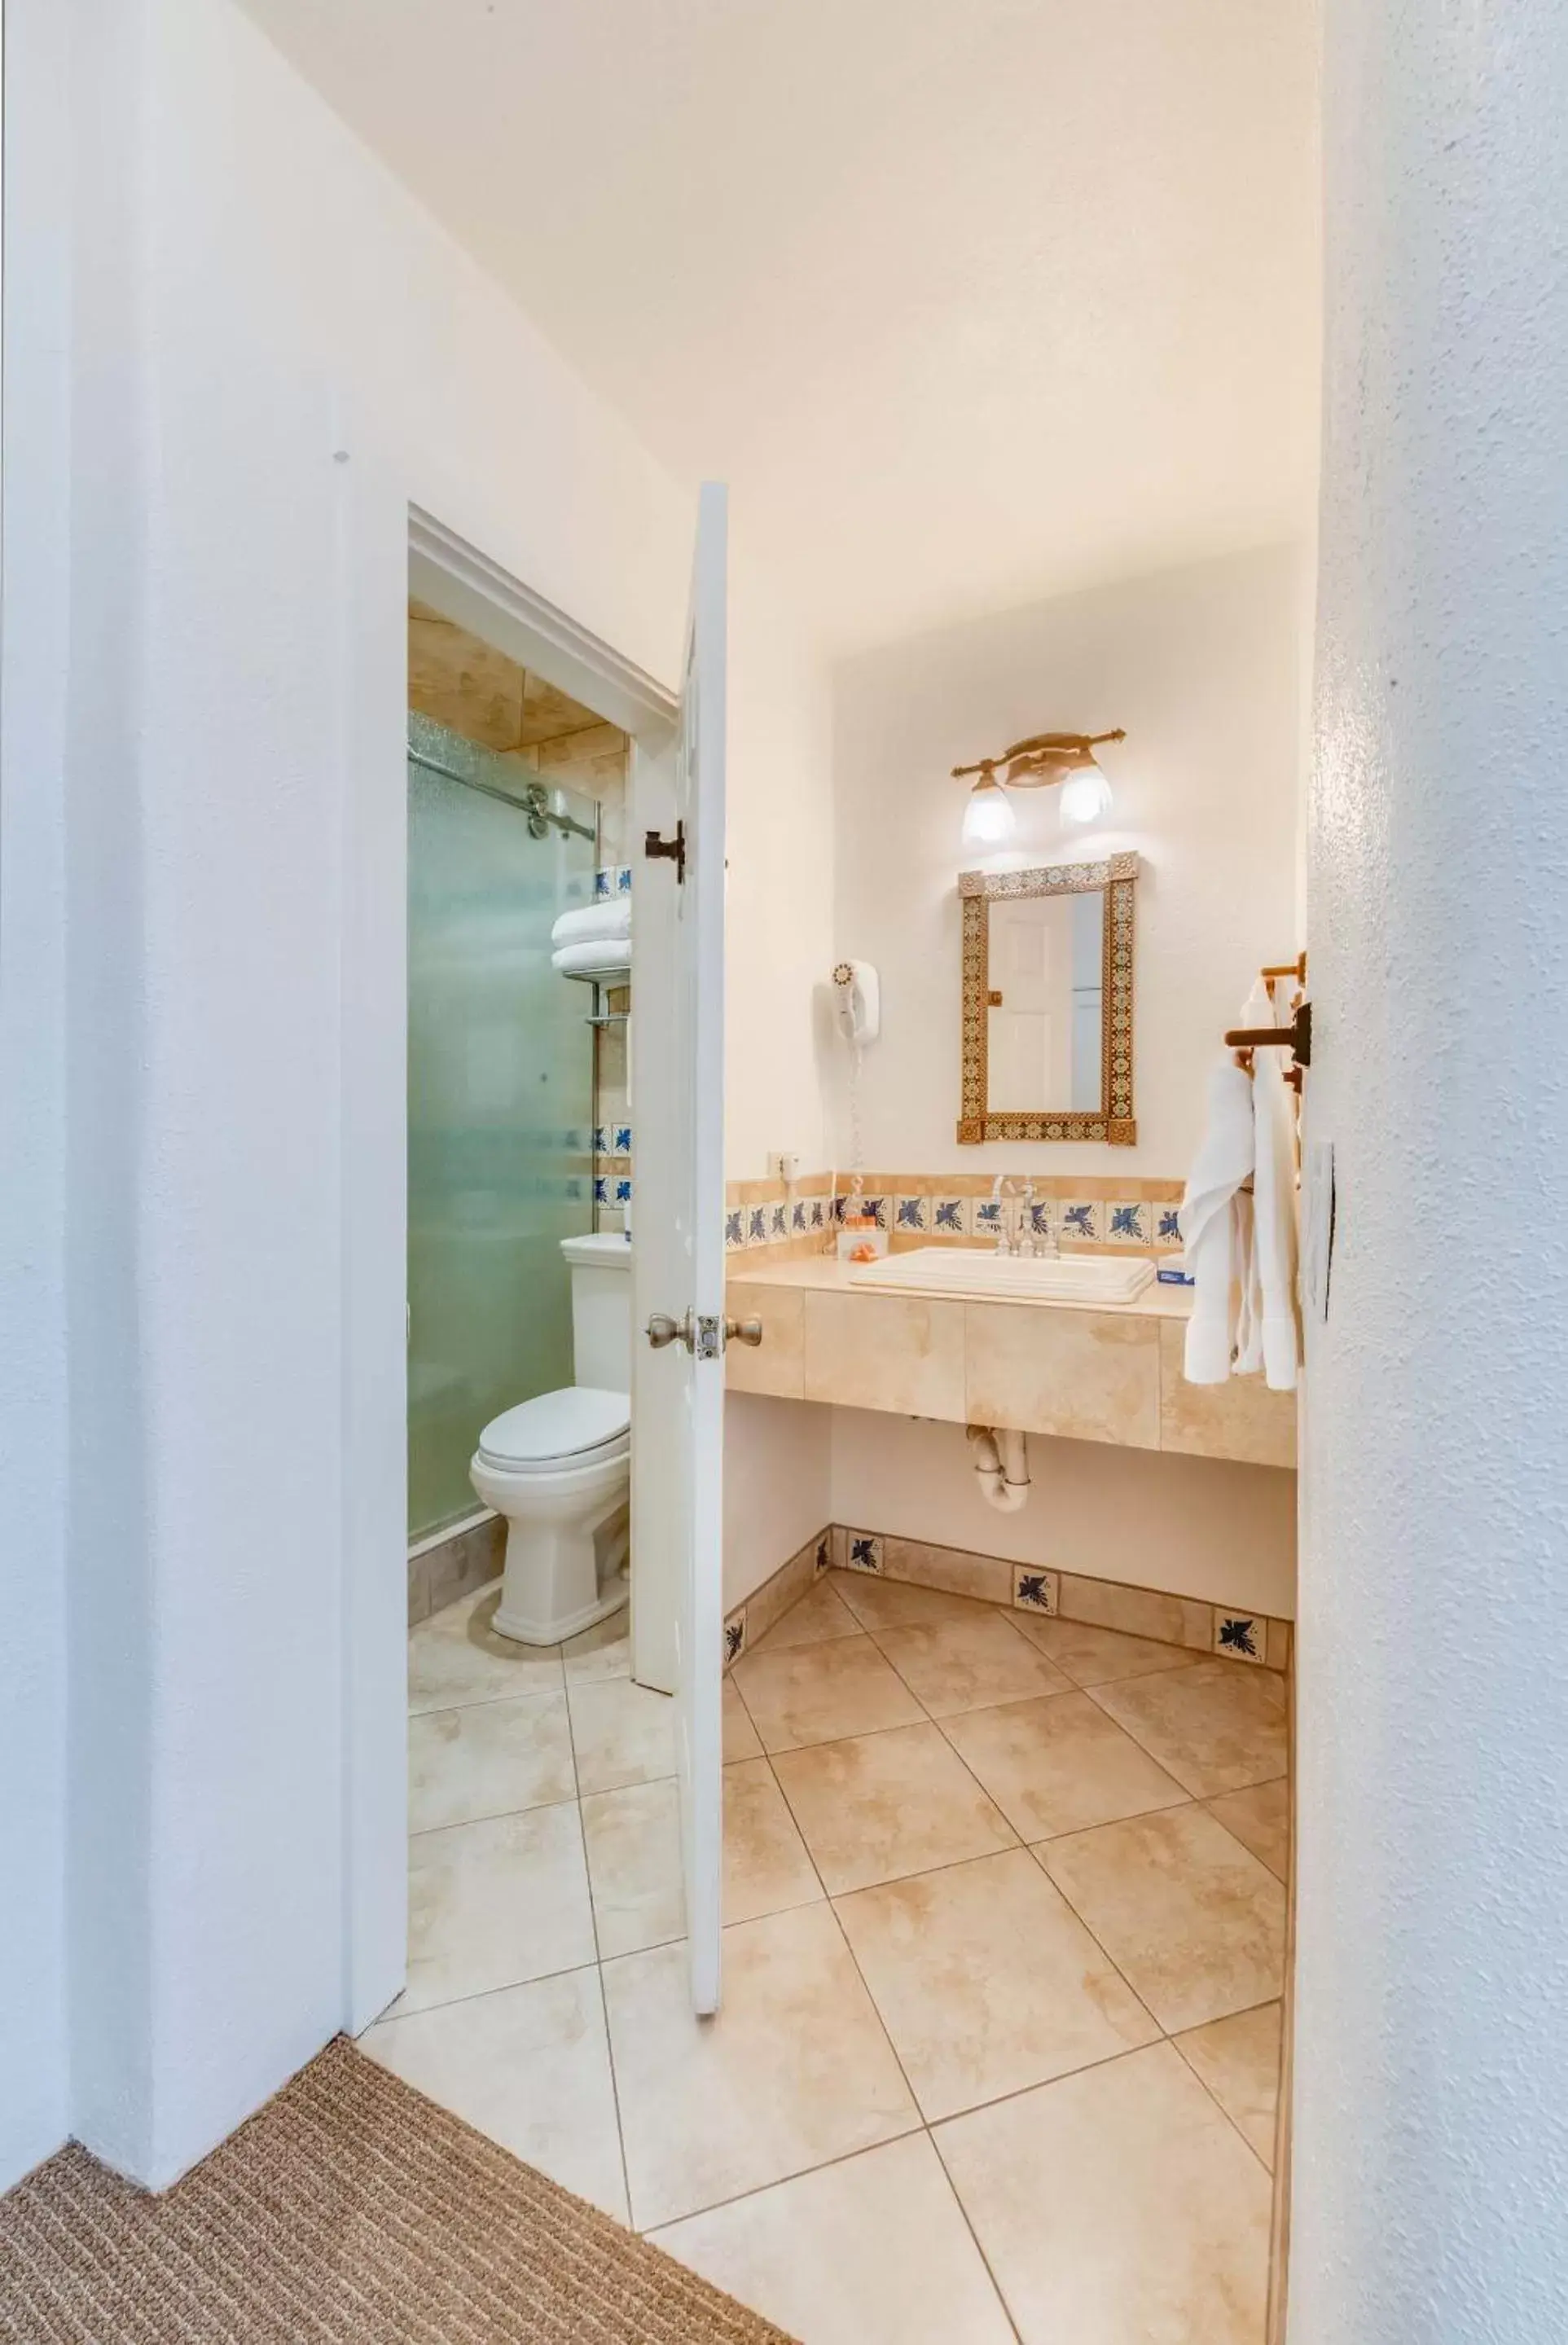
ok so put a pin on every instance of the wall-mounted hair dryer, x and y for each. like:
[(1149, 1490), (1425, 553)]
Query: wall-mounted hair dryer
[(857, 1000)]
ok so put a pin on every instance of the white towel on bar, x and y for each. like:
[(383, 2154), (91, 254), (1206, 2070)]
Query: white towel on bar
[(1274, 1338), (1216, 1227), (589, 959), (611, 917)]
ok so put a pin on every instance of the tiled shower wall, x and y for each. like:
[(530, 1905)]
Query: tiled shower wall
[(1087, 1213)]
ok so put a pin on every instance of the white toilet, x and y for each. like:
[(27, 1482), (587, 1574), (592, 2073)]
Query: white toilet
[(559, 1468)]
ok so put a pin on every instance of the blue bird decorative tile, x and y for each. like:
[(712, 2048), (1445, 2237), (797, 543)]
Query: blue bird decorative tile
[(1237, 1633), (623, 1191), (757, 1227), (1079, 1220), (734, 1637), (624, 880), (819, 1211), (623, 1140), (1169, 1227), (798, 1218), (604, 884), (779, 1219), (1034, 1591), (910, 1213), (824, 1554), (865, 1551), (987, 1214), (601, 1190), (601, 1141), (735, 1228), (1127, 1221), (949, 1215)]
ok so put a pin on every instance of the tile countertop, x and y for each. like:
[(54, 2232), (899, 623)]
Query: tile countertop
[(828, 1275), (1089, 1371)]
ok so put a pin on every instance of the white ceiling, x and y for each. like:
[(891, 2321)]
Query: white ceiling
[(970, 300)]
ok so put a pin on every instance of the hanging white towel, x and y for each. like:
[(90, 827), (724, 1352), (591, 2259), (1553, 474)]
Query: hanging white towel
[(610, 918), (1217, 1226), (599, 954), (1274, 1338)]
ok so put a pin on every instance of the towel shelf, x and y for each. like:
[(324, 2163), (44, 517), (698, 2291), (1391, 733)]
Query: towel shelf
[(603, 980), (616, 973)]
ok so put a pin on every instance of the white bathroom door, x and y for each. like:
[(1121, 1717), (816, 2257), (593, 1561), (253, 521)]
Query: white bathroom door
[(696, 1354)]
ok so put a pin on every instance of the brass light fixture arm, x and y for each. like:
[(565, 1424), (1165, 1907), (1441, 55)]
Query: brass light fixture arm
[(1043, 757)]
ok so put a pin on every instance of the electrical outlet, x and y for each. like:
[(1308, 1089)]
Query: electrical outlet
[(786, 1166)]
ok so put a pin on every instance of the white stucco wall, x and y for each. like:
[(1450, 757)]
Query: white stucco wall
[(34, 597), (274, 352), (1431, 2078), (1203, 666)]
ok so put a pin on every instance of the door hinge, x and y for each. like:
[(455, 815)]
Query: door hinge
[(654, 847)]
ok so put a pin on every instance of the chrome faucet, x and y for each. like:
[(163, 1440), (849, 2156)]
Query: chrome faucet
[(998, 1197), (1026, 1233), (1014, 1235)]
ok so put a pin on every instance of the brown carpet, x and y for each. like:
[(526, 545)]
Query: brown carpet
[(349, 2211)]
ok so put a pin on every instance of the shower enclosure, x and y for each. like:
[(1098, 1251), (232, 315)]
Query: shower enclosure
[(500, 1100)]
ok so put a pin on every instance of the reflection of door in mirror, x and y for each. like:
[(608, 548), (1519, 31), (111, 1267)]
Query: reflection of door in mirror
[(1047, 956)]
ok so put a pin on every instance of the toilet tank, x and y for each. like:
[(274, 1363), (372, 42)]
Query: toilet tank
[(601, 1267)]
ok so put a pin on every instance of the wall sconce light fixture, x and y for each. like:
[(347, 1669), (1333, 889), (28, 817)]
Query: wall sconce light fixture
[(1035, 764)]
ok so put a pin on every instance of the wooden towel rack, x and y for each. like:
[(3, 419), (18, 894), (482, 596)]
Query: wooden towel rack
[(1297, 1035)]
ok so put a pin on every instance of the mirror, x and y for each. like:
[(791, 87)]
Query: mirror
[(1047, 1012)]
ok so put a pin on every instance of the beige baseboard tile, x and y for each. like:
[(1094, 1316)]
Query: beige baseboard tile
[(1182, 1621), (1101, 1603), (788, 1585), (953, 1568), (1139, 1611), (782, 1588), (439, 1575)]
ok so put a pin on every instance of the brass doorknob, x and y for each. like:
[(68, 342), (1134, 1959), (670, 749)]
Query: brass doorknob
[(743, 1331), (662, 1330)]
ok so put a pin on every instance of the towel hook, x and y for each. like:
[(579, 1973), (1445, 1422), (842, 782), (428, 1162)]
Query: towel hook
[(1297, 1035)]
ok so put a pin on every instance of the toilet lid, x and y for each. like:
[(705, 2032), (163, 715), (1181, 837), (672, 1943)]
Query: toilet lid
[(557, 1426)]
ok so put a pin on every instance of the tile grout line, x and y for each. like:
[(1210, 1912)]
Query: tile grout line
[(866, 1988), (1028, 1847), (1189, 1799), (599, 1969), (925, 2127), (1209, 2088)]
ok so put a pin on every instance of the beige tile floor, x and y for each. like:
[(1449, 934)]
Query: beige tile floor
[(1004, 1952)]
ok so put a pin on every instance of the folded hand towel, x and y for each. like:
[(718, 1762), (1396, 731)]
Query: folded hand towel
[(610, 918), (589, 959)]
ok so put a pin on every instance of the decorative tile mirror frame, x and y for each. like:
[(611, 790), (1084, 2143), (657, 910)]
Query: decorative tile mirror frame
[(1113, 1122)]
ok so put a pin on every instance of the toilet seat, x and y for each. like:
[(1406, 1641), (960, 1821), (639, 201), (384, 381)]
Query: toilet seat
[(576, 1426)]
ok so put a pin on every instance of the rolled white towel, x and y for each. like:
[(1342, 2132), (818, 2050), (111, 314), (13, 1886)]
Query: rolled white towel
[(610, 918), (598, 953)]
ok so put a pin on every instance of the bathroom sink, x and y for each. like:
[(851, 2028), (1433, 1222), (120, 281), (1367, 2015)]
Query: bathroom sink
[(1005, 1277)]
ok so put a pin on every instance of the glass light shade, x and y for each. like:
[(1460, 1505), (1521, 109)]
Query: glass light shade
[(1084, 797), (988, 819)]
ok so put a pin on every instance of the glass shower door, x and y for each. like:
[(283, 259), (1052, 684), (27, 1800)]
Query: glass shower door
[(500, 1102)]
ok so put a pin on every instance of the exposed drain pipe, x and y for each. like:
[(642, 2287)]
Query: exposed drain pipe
[(1001, 1462)]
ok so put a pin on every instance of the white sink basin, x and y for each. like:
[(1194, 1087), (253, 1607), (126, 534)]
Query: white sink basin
[(1005, 1277)]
